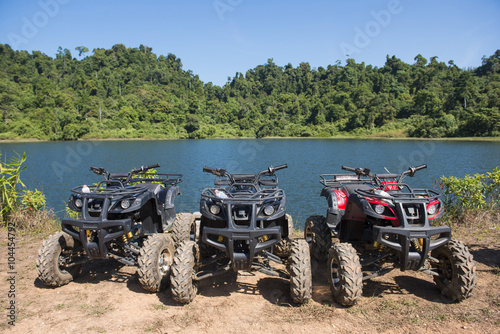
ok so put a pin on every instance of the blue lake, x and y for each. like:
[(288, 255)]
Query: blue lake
[(56, 167)]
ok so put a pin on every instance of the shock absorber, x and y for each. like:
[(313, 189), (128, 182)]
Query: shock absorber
[(417, 244), (126, 237)]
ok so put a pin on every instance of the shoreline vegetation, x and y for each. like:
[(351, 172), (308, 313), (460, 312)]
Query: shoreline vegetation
[(131, 93), (489, 139)]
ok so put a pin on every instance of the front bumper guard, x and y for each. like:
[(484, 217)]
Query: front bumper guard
[(106, 230), (400, 239), (253, 237)]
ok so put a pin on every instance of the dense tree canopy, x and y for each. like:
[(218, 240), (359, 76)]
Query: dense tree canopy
[(130, 92)]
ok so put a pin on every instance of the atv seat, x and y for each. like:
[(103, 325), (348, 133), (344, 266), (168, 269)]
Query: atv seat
[(118, 175), (351, 188)]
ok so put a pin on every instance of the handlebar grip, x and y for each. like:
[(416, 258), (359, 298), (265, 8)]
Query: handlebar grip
[(280, 167), (98, 170), (150, 166), (208, 170), (411, 170), (349, 169), (424, 166), (217, 172), (144, 168)]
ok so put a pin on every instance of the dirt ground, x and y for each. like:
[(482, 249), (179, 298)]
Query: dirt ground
[(108, 298)]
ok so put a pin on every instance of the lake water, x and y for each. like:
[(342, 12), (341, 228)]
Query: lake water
[(56, 167)]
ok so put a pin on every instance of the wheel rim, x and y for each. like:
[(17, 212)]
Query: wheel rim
[(445, 268), (192, 232), (308, 235), (165, 262), (334, 273), (63, 259)]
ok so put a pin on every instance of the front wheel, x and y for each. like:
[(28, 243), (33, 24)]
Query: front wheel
[(345, 274), (54, 260), (155, 260), (457, 271), (283, 248), (184, 228), (300, 271), (183, 287), (318, 236)]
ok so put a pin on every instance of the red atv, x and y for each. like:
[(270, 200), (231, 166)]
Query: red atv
[(382, 224)]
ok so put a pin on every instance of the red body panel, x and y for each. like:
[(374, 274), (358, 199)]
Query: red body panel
[(341, 198)]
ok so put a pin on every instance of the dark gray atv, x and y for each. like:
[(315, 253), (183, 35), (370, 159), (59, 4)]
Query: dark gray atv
[(382, 224), (243, 226), (129, 217)]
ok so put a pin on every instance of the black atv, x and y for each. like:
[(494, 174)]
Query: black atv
[(381, 224), (126, 218), (243, 226)]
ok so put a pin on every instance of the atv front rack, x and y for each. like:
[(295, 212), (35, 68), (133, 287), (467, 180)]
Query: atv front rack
[(101, 191), (405, 192), (243, 195)]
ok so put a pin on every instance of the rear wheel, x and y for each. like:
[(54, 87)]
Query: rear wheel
[(457, 270), (54, 260), (300, 271), (184, 228), (183, 287), (155, 261), (345, 274), (318, 236)]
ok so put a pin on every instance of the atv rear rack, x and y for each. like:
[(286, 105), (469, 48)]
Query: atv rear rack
[(338, 180)]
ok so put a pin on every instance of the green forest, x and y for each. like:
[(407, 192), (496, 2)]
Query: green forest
[(132, 93)]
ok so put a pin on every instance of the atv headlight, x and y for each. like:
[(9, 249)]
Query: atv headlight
[(432, 209), (78, 203), (214, 209), (125, 204), (269, 210), (379, 208)]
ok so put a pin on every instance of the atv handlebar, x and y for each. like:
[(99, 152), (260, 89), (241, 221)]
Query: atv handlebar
[(358, 171), (272, 169), (223, 173), (366, 172), (144, 168), (411, 170), (98, 170), (217, 171)]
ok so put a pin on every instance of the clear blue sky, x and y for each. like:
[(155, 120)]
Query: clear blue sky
[(217, 38)]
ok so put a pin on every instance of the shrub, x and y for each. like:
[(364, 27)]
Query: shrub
[(26, 209), (472, 192), (9, 180), (33, 200)]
